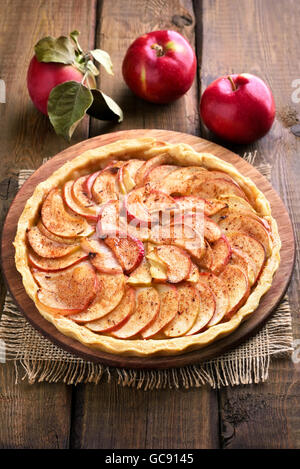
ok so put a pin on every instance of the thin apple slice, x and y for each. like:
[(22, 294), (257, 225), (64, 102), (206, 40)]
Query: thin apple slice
[(194, 275), (221, 251), (56, 264), (118, 316), (212, 231), (188, 308), (109, 220), (46, 247), (247, 225), (158, 174), (206, 310), (58, 239), (237, 203), (146, 310), (238, 287), (91, 213), (80, 194), (251, 247), (128, 251), (178, 262), (207, 259), (214, 188), (149, 165), (241, 260), (127, 174), (141, 204), (101, 257), (68, 292), (111, 288), (141, 275), (105, 186), (59, 221), (179, 182), (169, 301), (135, 206), (202, 224), (180, 235), (221, 295), (158, 269), (89, 182), (193, 203)]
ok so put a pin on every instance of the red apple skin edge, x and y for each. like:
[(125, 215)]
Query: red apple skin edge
[(238, 108), (159, 66), (42, 77)]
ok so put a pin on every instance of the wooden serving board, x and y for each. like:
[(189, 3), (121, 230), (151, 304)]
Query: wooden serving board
[(267, 303)]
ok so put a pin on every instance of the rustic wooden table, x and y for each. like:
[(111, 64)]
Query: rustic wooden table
[(258, 36)]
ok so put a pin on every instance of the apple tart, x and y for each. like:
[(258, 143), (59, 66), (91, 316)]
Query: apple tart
[(146, 248)]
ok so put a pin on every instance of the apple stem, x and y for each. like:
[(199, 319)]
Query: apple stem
[(233, 86), (159, 50)]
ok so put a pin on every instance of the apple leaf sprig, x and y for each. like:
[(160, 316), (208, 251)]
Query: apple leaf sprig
[(69, 101)]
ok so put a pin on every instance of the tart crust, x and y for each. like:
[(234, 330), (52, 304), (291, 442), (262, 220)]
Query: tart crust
[(145, 148)]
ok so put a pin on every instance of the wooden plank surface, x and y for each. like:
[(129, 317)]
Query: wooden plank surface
[(27, 417), (155, 425), (260, 37)]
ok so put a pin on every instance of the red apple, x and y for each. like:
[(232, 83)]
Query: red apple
[(159, 66), (42, 77), (239, 108)]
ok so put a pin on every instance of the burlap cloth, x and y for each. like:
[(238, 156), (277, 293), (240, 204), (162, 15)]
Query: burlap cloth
[(38, 359)]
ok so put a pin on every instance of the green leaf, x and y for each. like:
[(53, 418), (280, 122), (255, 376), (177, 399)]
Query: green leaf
[(104, 108), (60, 50), (104, 59), (91, 67), (74, 35), (67, 105)]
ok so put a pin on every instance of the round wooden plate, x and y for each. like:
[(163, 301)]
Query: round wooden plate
[(267, 303)]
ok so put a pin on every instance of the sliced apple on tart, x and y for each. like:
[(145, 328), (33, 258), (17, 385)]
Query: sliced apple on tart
[(180, 235), (127, 175), (169, 301), (178, 262), (147, 304), (68, 292), (141, 275), (89, 212), (105, 186), (100, 256), (188, 308), (149, 165), (214, 188), (221, 295), (250, 247), (237, 284), (129, 251), (248, 225), (221, 252), (110, 291), (45, 247), (193, 203), (59, 221), (206, 310), (56, 263), (118, 316)]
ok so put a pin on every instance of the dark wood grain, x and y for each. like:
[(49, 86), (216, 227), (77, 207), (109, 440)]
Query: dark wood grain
[(28, 419), (260, 37), (267, 304)]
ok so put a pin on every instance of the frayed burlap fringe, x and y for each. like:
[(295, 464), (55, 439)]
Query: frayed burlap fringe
[(40, 360), (43, 361)]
